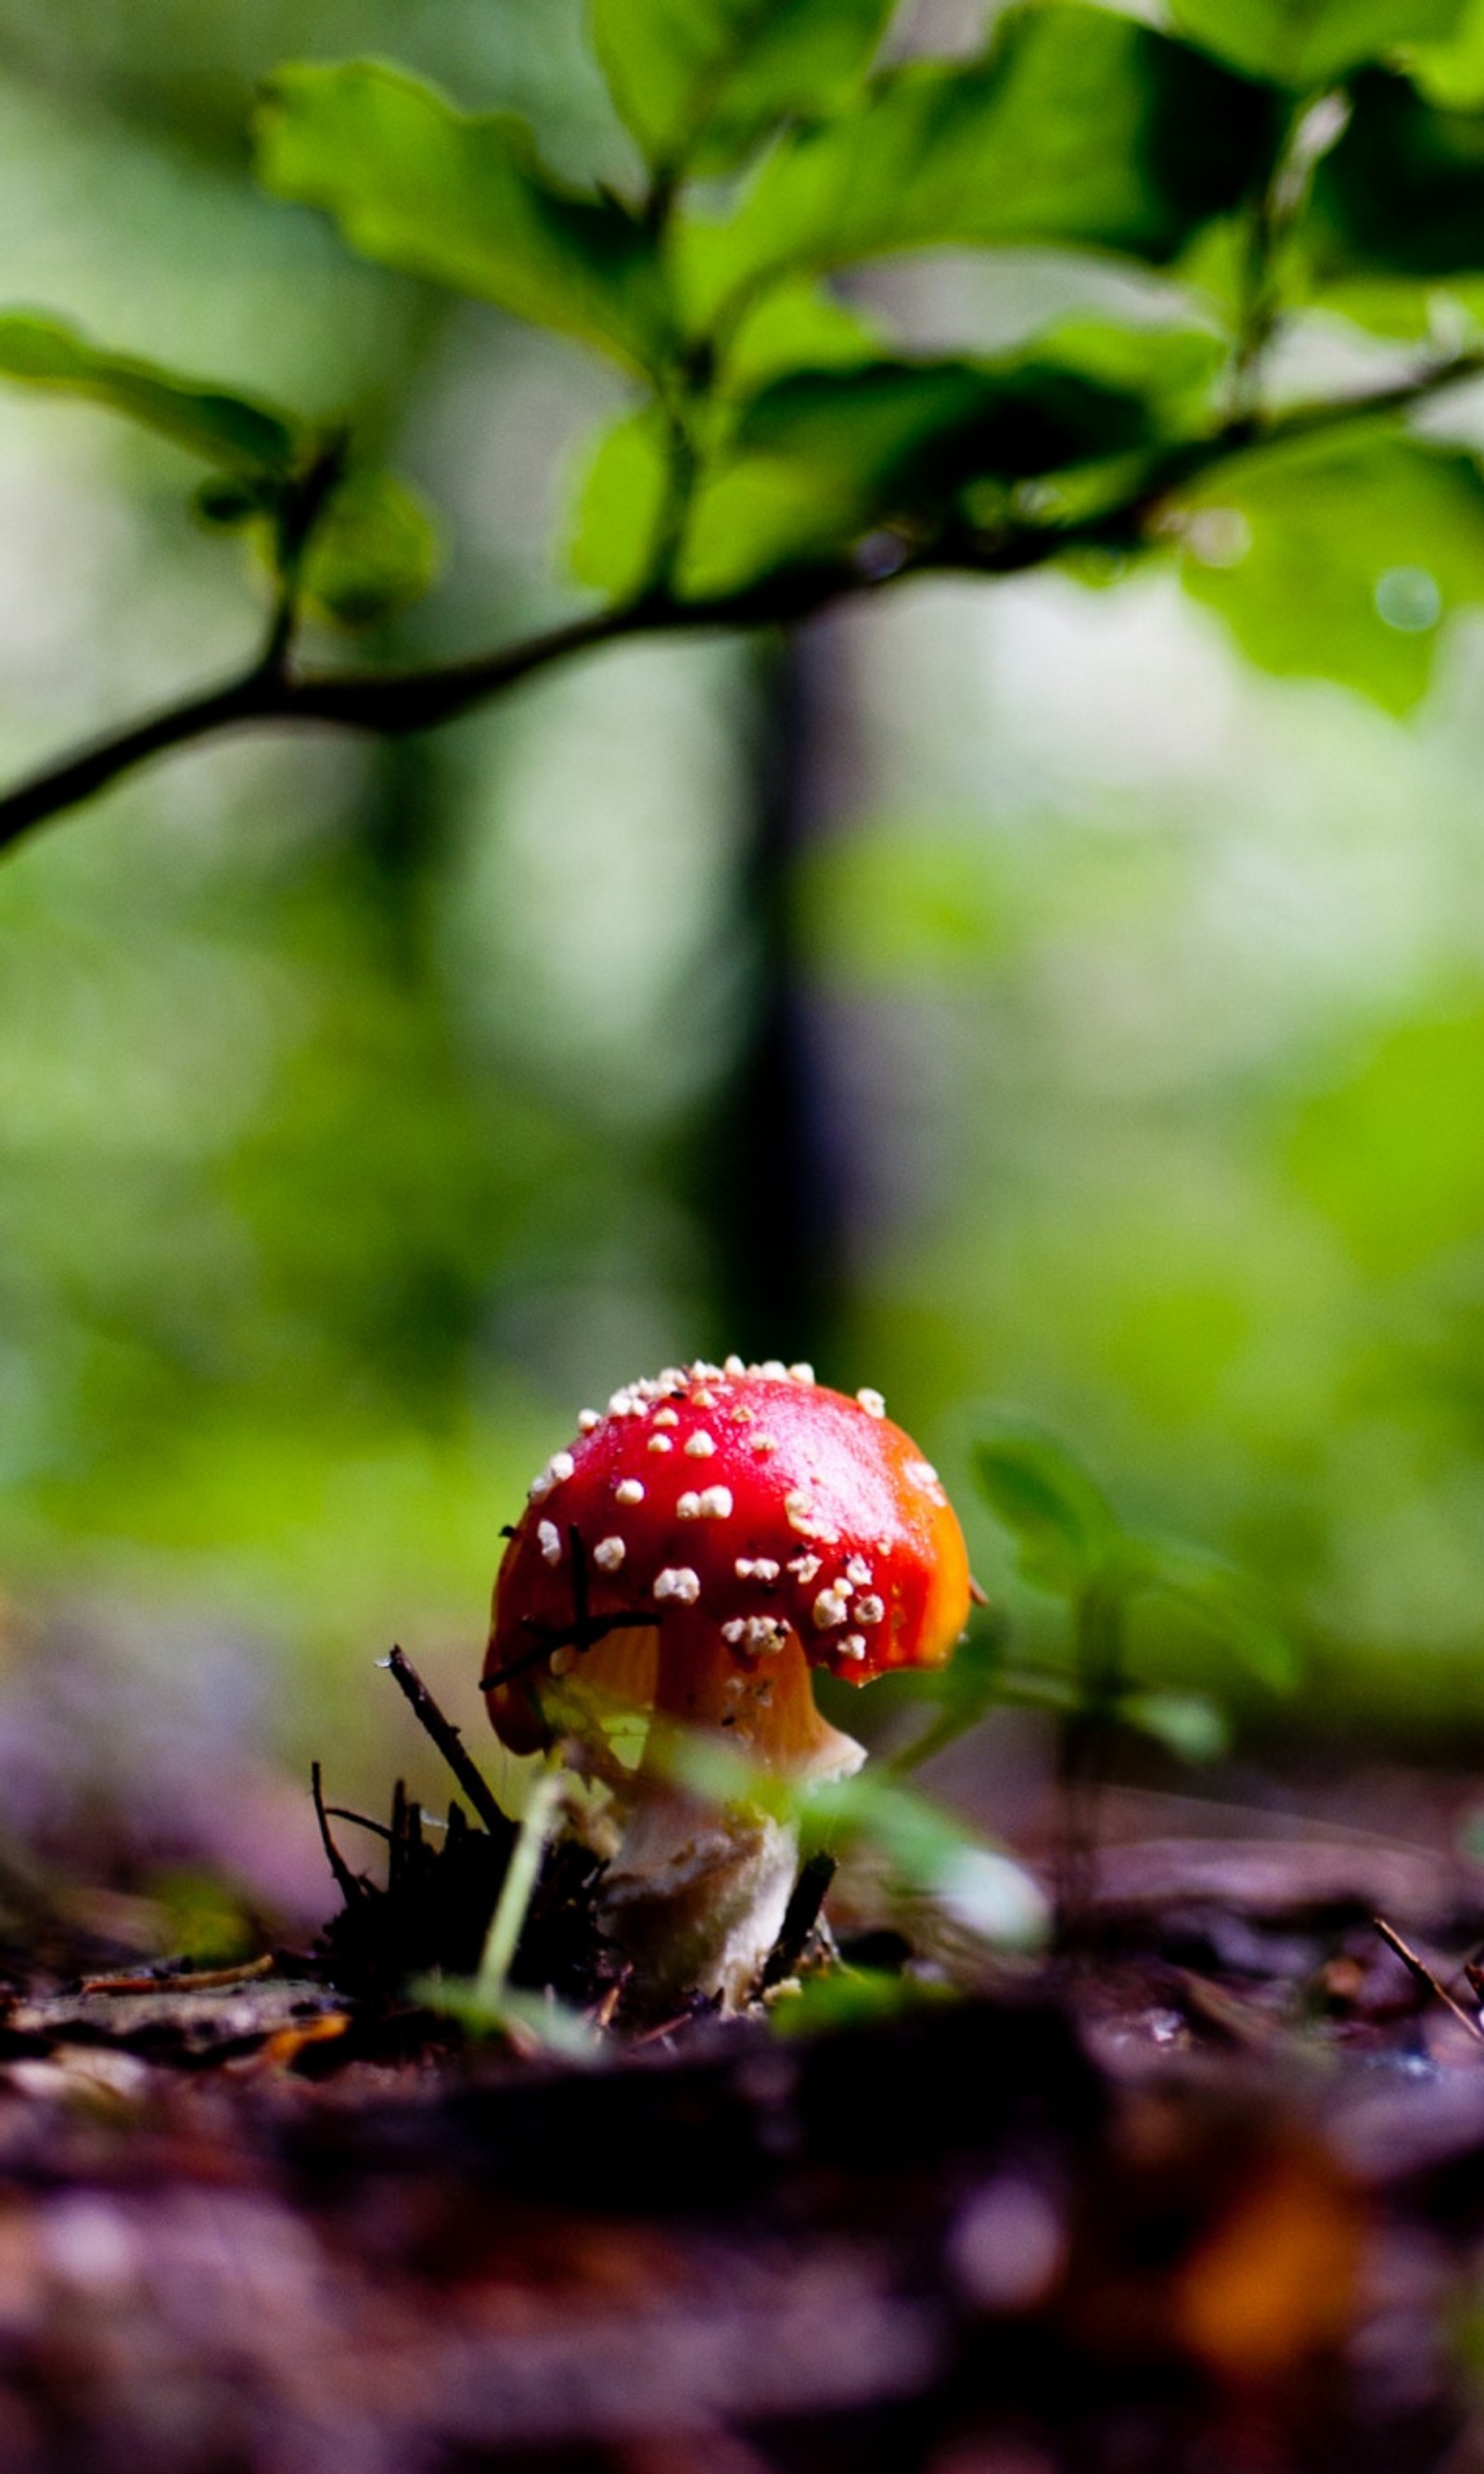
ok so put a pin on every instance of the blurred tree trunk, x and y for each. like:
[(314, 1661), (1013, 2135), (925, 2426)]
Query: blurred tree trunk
[(770, 1180)]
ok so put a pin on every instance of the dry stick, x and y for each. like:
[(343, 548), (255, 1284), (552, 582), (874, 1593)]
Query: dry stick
[(362, 1820), (396, 1862), (800, 1917), (185, 1980), (587, 1629), (351, 1889), (445, 1736), (668, 2027), (595, 1629), (1420, 1969)]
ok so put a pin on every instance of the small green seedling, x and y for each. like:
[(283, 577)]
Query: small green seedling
[(486, 2004), (1071, 1542)]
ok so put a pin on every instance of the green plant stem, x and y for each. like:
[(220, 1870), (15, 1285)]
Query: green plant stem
[(1085, 1736), (1270, 218), (272, 692), (500, 1943)]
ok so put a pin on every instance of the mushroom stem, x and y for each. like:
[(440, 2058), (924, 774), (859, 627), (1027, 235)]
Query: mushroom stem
[(695, 1896)]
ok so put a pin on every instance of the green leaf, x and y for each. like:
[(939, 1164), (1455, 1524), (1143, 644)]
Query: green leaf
[(823, 458), (1403, 191), (701, 82), (417, 184), (797, 327), (1306, 43), (374, 548), (1452, 72), (532, 2021), (620, 505), (806, 467), (763, 515), (915, 431), (1079, 127), (1339, 560), (991, 1897), (846, 1998), (1220, 1597), (233, 432), (827, 456), (234, 502), (1062, 1522), (1171, 371), (756, 524), (931, 1854), (1185, 1723), (1404, 310)]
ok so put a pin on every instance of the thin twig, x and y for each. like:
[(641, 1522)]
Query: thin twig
[(397, 1859), (445, 1736), (800, 1917), (350, 1888), (362, 1820), (666, 2028), (1420, 1969), (604, 2014), (585, 1637), (185, 1980)]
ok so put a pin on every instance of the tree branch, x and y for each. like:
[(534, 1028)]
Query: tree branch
[(268, 692), (92, 768), (390, 703)]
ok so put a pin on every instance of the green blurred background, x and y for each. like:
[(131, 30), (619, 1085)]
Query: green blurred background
[(1006, 993)]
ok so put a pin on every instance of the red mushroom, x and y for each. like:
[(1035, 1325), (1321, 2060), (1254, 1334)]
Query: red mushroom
[(689, 1557)]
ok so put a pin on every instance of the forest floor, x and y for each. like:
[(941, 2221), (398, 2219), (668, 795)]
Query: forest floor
[(1206, 2197)]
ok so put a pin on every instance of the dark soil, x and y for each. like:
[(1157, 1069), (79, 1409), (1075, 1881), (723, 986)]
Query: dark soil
[(1204, 2196)]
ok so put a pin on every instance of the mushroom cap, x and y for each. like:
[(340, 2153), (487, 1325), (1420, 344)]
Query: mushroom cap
[(745, 1509)]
